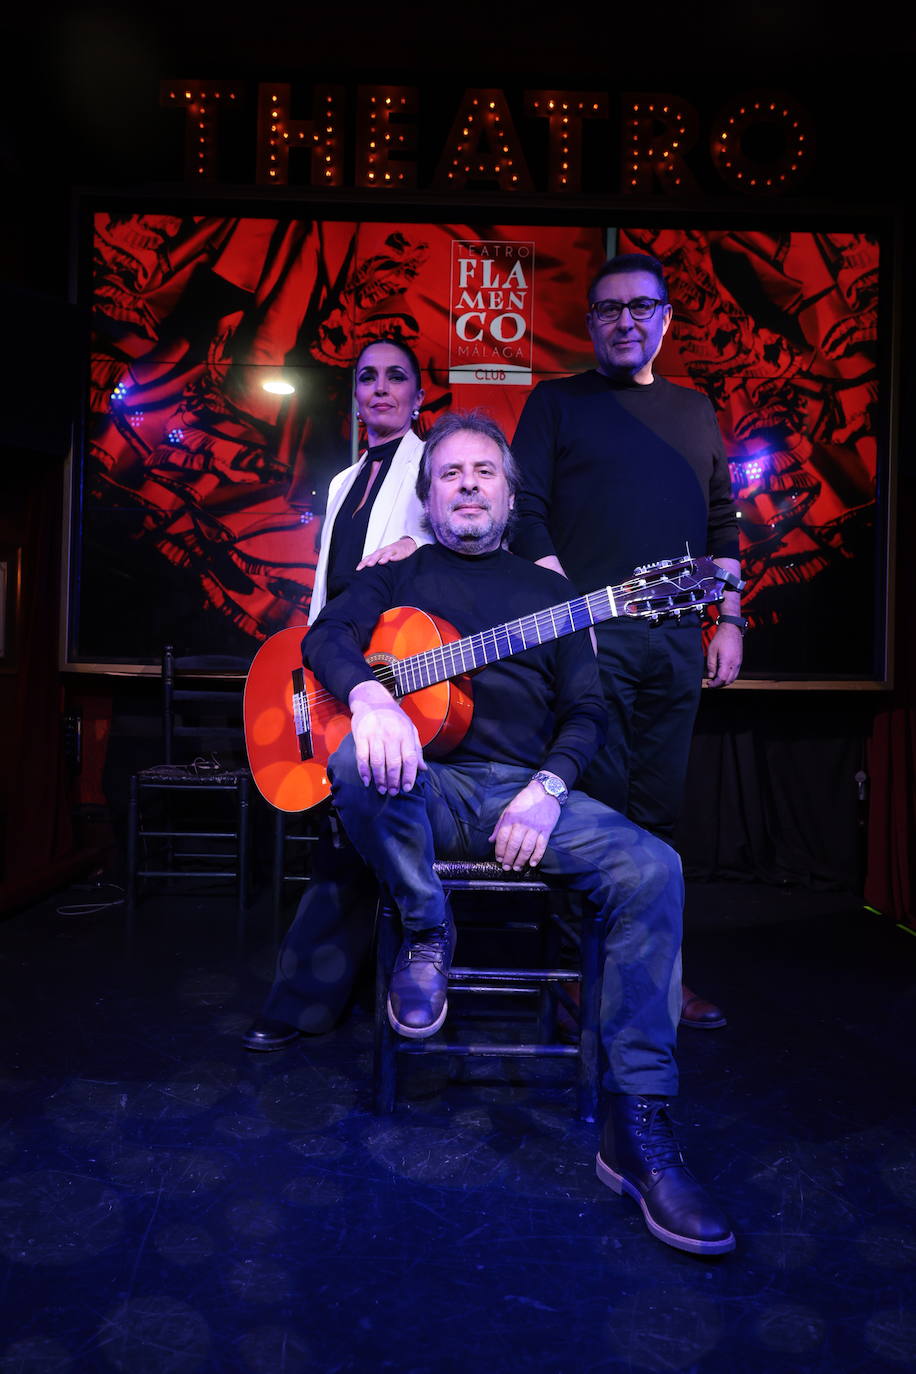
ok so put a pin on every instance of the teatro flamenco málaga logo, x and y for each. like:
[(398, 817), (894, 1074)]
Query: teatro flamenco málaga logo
[(491, 312)]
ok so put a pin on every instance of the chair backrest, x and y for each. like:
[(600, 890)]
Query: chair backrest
[(202, 707)]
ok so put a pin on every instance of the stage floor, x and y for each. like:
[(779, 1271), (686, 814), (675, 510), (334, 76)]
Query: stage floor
[(171, 1203)]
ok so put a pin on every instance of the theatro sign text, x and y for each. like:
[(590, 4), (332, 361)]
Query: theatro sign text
[(758, 143)]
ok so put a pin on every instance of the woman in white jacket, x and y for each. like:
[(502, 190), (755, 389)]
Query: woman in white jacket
[(373, 514)]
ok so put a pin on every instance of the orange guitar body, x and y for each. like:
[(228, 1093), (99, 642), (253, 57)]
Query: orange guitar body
[(441, 712)]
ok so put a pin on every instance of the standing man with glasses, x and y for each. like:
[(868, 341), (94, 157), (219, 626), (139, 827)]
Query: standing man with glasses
[(619, 468)]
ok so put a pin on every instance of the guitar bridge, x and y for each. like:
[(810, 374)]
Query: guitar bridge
[(301, 717)]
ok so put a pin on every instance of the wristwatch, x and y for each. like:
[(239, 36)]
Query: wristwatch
[(739, 620), (553, 786)]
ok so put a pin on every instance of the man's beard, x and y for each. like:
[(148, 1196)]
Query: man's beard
[(470, 534)]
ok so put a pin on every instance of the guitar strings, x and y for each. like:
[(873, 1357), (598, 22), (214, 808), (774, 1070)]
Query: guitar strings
[(446, 655), (418, 664)]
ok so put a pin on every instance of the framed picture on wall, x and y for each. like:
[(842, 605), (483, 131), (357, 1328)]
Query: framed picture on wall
[(197, 495)]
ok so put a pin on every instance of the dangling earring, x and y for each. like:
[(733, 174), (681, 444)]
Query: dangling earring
[(415, 414)]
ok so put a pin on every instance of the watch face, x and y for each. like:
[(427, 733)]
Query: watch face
[(552, 786)]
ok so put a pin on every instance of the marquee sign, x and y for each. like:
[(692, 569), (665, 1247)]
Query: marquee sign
[(759, 143)]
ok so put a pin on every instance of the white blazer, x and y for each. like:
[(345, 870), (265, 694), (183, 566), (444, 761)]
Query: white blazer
[(395, 510)]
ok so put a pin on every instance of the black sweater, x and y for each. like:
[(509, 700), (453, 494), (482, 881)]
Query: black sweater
[(542, 708), (616, 475)]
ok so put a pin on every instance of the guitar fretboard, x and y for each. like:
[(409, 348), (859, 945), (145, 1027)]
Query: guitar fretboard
[(503, 641)]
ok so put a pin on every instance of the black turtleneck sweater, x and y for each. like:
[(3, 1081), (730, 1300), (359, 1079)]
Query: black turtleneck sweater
[(616, 475), (542, 708)]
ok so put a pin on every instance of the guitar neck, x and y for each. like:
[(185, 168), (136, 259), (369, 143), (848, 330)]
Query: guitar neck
[(503, 641)]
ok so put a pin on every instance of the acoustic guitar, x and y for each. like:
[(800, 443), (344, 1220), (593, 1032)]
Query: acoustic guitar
[(293, 725)]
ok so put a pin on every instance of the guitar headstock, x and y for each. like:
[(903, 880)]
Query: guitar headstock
[(674, 587)]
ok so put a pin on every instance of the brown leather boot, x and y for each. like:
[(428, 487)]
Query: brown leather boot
[(697, 1012), (640, 1155)]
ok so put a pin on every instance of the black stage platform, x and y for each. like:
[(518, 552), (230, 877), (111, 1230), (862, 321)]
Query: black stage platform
[(171, 1203)]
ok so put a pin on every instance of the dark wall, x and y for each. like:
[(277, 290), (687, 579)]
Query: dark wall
[(81, 89)]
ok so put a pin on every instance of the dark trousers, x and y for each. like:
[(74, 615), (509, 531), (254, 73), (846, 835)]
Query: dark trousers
[(652, 676), (327, 943)]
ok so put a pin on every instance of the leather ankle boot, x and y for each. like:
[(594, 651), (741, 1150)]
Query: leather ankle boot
[(699, 1013), (417, 993), (640, 1155)]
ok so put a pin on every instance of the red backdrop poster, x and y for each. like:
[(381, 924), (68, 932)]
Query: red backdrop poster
[(780, 330), (199, 495)]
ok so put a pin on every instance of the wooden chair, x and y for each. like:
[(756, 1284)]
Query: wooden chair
[(188, 817), (545, 987)]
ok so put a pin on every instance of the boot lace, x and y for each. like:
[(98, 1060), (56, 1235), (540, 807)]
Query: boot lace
[(660, 1146), (429, 946)]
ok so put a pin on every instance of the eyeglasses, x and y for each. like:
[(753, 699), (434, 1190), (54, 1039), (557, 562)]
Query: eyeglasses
[(609, 312)]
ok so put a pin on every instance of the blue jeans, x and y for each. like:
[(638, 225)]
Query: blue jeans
[(632, 879)]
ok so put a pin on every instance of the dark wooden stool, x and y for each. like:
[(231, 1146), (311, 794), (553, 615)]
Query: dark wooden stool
[(546, 984)]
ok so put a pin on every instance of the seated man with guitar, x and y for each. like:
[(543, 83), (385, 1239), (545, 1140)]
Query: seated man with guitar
[(524, 715)]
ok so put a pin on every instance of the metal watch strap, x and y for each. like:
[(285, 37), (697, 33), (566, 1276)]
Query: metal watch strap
[(554, 786)]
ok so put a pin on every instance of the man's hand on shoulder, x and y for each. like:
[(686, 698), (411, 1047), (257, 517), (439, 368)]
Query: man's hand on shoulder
[(524, 827), (388, 752)]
